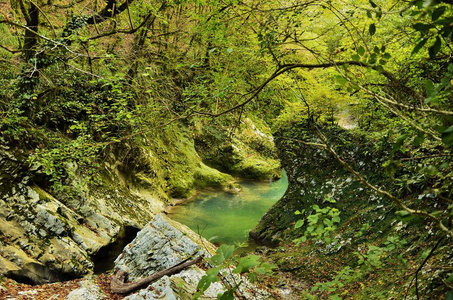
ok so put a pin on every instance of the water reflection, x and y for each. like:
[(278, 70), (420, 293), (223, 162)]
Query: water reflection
[(227, 218)]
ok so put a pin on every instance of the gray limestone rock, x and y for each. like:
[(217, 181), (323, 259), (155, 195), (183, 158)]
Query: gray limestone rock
[(163, 243), (158, 246), (160, 290)]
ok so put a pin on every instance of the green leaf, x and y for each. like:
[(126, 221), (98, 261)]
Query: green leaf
[(372, 29), (227, 295), (330, 200), (422, 27), (299, 223), (434, 49), (373, 5), (402, 213), (361, 51), (355, 57), (437, 13), (447, 137), (340, 80), (246, 263), (429, 88), (224, 252), (206, 280), (449, 295), (327, 222), (313, 219), (419, 46), (399, 142), (418, 140), (265, 268)]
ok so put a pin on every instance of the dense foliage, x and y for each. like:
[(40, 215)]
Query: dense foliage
[(81, 77)]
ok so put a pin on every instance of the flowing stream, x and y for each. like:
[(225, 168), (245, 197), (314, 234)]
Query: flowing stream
[(227, 218)]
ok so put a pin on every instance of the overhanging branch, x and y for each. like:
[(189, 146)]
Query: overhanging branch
[(398, 202), (287, 67)]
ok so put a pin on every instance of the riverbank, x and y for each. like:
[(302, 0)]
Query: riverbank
[(227, 218)]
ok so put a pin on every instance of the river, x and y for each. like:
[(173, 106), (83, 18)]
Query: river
[(227, 218)]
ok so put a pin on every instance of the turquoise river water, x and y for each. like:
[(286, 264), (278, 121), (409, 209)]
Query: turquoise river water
[(227, 218)]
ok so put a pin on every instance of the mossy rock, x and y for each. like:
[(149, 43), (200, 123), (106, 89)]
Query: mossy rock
[(258, 168), (248, 154)]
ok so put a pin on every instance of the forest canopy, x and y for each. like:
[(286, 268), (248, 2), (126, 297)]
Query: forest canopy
[(79, 77)]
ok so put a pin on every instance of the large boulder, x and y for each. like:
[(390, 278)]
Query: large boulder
[(162, 244)]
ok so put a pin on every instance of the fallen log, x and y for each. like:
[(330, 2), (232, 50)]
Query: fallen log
[(119, 286)]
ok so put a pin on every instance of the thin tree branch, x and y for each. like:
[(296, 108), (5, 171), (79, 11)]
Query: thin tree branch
[(11, 51), (115, 31), (385, 193), (287, 67), (45, 16), (420, 268)]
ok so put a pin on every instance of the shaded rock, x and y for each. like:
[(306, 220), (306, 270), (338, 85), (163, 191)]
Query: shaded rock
[(48, 237), (313, 176)]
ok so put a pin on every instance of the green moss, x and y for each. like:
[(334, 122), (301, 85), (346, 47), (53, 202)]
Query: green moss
[(258, 168), (168, 159), (250, 153), (208, 177)]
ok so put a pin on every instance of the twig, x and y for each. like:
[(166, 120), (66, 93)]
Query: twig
[(394, 199), (419, 269)]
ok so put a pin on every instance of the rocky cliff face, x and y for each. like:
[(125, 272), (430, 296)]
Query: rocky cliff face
[(45, 238), (161, 244), (369, 239), (314, 175), (49, 234)]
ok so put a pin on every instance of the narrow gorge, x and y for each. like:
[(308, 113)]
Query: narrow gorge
[(224, 149)]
